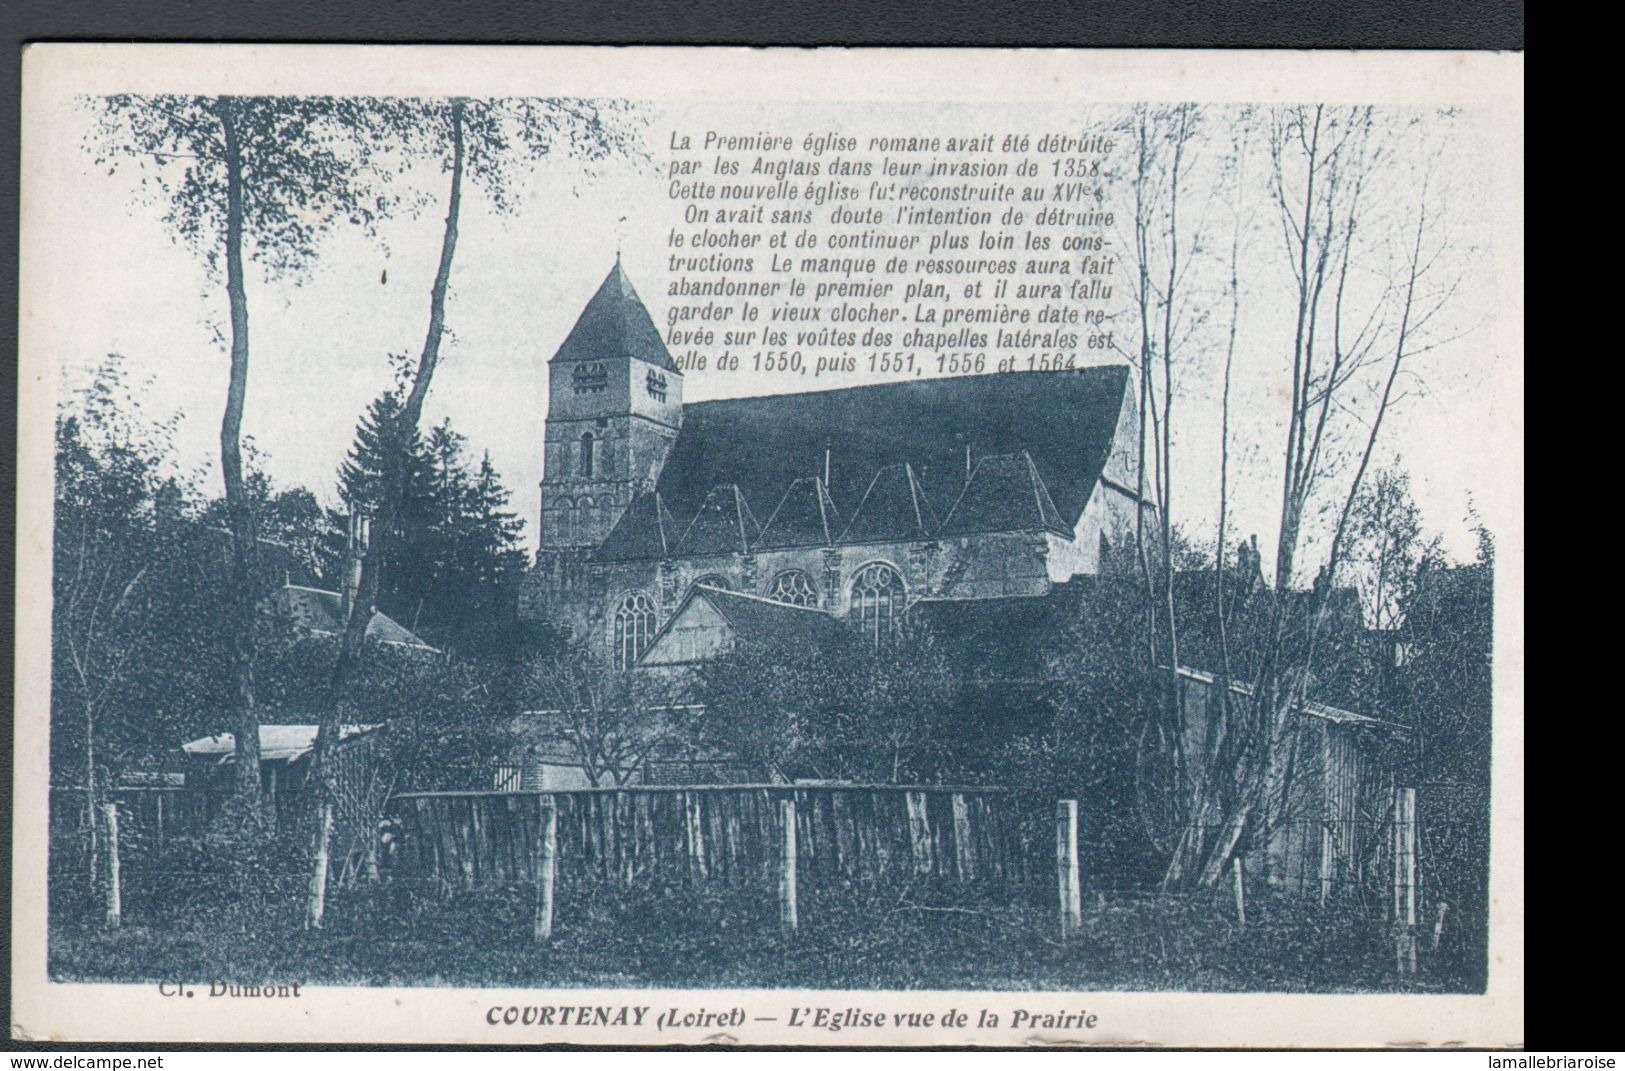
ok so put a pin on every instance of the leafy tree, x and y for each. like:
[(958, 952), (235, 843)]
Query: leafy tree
[(402, 562), (1386, 548), (296, 535), (1445, 684), (244, 179), (490, 143), (491, 560), (135, 651), (362, 476)]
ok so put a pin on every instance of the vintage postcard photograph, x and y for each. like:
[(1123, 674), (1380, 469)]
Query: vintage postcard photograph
[(822, 547)]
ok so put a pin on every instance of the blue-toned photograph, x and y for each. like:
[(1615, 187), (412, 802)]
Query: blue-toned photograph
[(600, 543)]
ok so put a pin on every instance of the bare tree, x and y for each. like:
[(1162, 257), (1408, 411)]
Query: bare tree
[(1369, 286), (1385, 546), (1191, 808), (1171, 160), (109, 543), (613, 721)]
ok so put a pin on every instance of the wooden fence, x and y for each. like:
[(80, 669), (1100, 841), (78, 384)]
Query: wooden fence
[(734, 834)]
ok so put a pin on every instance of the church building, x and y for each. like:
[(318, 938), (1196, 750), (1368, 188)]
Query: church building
[(670, 529)]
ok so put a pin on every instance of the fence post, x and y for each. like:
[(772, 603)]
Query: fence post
[(919, 830), (1066, 860), (318, 877), (115, 894), (1328, 862), (964, 852), (1405, 879), (1241, 891), (546, 870), (787, 864), (695, 840)]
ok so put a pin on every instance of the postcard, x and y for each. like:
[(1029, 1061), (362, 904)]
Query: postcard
[(868, 547)]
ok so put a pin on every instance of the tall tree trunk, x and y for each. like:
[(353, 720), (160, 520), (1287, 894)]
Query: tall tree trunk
[(1166, 452), (239, 510), (353, 646), (92, 797), (1141, 224)]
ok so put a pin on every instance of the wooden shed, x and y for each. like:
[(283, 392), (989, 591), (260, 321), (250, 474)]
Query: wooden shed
[(286, 752), (1332, 834)]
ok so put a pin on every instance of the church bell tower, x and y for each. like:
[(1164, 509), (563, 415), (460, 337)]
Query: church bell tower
[(614, 407)]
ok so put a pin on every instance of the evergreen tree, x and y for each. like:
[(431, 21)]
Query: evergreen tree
[(473, 547), (407, 573), (497, 558), (455, 557)]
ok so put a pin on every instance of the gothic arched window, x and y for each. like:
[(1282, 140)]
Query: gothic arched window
[(585, 466), (795, 587), (634, 628), (877, 601)]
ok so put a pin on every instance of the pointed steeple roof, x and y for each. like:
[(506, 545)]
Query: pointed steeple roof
[(1004, 494), (615, 324), (645, 531), (724, 525), (805, 517), (893, 508)]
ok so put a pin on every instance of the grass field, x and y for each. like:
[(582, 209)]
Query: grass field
[(684, 938)]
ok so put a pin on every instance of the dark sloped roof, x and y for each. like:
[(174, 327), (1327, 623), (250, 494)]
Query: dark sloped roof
[(894, 507), (804, 517), (723, 525), (615, 324), (1065, 421), (322, 612), (645, 530), (758, 620), (1004, 493)]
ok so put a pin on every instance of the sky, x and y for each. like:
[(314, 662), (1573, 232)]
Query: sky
[(117, 282)]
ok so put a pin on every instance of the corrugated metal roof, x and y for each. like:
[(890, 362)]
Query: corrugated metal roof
[(1323, 711), (278, 743)]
